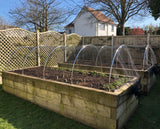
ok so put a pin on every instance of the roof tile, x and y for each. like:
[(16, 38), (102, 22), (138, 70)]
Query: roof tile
[(100, 16)]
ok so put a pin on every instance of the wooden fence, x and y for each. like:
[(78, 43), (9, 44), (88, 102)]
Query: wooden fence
[(17, 43)]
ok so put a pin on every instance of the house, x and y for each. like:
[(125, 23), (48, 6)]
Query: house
[(90, 22)]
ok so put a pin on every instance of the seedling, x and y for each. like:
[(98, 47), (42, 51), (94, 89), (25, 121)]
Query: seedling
[(102, 74), (116, 84), (93, 73)]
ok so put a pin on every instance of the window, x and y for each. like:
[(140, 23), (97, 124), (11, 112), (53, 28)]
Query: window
[(112, 28), (70, 31), (102, 26)]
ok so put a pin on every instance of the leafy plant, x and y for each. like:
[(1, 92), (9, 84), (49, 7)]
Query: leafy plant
[(93, 73), (52, 68), (112, 87), (101, 74), (109, 38), (117, 83), (81, 72), (106, 87), (58, 68), (68, 70), (158, 65)]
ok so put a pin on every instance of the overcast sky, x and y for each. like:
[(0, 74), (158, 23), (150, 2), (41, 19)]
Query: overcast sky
[(6, 5)]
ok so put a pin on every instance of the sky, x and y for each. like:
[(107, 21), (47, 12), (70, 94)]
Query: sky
[(7, 5)]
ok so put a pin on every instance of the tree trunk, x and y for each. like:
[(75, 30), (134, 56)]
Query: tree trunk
[(123, 12), (43, 18), (46, 20), (123, 30)]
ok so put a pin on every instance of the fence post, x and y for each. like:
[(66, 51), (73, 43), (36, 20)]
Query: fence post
[(112, 47), (148, 39), (38, 49), (83, 39), (65, 44)]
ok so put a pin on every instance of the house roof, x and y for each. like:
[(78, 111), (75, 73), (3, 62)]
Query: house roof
[(100, 16), (70, 25), (97, 14)]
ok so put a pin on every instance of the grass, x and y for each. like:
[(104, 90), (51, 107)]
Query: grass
[(16, 113), (147, 115)]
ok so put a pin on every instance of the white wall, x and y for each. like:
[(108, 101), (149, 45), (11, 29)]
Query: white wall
[(107, 31), (101, 32), (85, 24), (110, 32)]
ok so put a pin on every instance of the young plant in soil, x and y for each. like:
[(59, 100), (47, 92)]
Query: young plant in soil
[(115, 85), (93, 73), (86, 78), (119, 80)]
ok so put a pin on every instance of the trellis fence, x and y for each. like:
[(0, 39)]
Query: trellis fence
[(17, 43)]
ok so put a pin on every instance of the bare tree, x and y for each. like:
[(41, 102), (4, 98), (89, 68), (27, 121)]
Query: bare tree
[(2, 21), (38, 14), (120, 10), (4, 24), (151, 29)]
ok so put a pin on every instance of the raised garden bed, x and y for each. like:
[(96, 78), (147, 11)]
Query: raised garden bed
[(148, 76), (94, 107), (91, 79)]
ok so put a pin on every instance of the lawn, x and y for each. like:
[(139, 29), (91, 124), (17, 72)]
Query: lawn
[(16, 113), (147, 115)]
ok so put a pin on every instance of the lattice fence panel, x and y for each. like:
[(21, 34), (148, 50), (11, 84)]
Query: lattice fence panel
[(57, 56), (16, 44), (10, 40), (31, 58), (71, 53), (51, 38), (44, 53), (17, 57), (74, 40)]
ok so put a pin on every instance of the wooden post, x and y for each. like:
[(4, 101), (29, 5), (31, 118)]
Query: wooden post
[(83, 39), (148, 39), (38, 49), (112, 50), (65, 44)]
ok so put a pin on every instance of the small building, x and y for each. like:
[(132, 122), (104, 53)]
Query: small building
[(90, 22)]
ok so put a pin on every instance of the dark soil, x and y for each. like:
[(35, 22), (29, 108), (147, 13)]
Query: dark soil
[(90, 79)]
